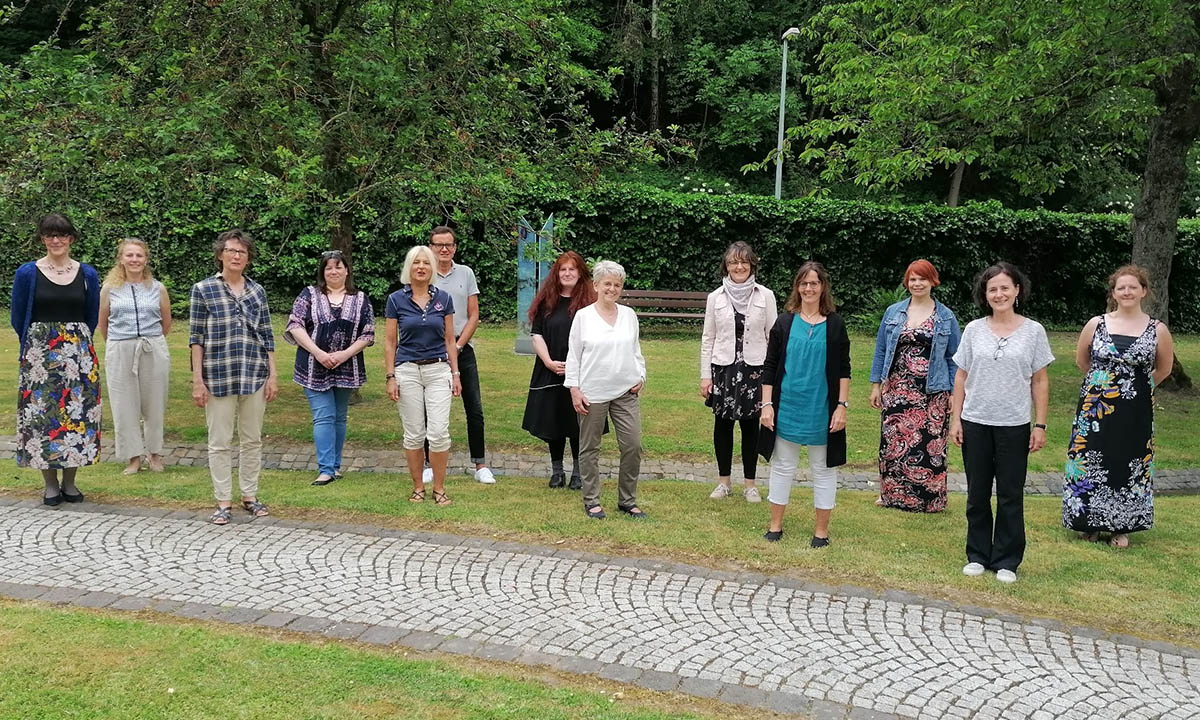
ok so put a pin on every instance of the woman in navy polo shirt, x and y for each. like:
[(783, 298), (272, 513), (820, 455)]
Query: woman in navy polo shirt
[(421, 369)]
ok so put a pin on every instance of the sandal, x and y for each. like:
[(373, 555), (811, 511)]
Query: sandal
[(257, 508), (634, 512), (417, 496), (441, 499), (1119, 541), (221, 516), (598, 515)]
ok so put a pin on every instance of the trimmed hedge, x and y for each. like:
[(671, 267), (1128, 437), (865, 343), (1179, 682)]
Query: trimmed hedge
[(674, 241)]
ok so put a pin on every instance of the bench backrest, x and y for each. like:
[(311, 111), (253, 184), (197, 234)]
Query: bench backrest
[(665, 303)]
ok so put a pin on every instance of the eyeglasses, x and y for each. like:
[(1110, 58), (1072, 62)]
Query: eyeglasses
[(809, 284), (443, 246), (1000, 345), (330, 254), (235, 251), (57, 236)]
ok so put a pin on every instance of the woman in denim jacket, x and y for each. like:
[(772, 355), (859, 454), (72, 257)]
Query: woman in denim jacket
[(912, 377)]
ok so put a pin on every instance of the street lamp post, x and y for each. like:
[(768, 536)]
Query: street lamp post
[(791, 32)]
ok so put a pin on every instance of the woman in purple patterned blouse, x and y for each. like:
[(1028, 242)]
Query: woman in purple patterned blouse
[(330, 324)]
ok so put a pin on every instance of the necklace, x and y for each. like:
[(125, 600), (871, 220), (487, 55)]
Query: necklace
[(60, 271), (812, 325)]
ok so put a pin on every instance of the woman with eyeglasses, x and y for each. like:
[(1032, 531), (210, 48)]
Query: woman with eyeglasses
[(805, 397), (331, 323), (55, 309), (1002, 378), (737, 324)]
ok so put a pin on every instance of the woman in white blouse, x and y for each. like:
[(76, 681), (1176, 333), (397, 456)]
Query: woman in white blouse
[(605, 372), (135, 317)]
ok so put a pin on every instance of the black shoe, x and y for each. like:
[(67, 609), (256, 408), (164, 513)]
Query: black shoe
[(634, 512), (558, 480), (773, 535), (599, 515), (576, 483), (52, 501), (328, 479), (820, 542), (77, 498)]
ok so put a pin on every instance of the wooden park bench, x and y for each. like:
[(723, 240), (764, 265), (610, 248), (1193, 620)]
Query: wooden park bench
[(665, 303)]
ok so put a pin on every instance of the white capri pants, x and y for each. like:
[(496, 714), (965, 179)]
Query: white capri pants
[(137, 371), (425, 393), (784, 460)]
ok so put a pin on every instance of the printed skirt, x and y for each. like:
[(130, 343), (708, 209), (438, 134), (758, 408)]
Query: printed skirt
[(58, 398)]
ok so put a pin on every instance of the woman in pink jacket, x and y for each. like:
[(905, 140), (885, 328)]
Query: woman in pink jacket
[(737, 321)]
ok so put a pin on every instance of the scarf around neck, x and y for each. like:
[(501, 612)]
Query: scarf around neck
[(739, 293)]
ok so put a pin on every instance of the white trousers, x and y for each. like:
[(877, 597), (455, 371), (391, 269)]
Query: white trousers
[(137, 371), (220, 413), (425, 393), (784, 460)]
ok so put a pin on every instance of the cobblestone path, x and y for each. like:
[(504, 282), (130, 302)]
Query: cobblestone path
[(777, 643)]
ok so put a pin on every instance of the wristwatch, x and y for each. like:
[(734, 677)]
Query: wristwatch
[(844, 404), (1039, 425)]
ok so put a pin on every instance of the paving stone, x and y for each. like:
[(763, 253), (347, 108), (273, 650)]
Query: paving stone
[(96, 599), (346, 630), (619, 673), (238, 615), (656, 680), (275, 619), (132, 603), (19, 591), (383, 635), (701, 687), (305, 623)]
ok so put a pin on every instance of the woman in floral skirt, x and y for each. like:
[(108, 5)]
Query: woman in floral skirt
[(1109, 479), (54, 310)]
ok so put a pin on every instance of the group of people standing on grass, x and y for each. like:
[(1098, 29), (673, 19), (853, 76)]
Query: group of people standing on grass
[(784, 379)]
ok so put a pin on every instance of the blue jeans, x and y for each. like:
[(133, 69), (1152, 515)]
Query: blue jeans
[(329, 426)]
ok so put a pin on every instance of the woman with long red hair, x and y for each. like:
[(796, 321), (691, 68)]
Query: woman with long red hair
[(549, 414)]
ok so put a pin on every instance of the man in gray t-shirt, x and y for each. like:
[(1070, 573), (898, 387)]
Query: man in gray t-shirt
[(459, 281)]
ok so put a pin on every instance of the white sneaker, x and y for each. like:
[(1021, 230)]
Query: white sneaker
[(427, 475), (485, 476), (1006, 576), (973, 569), (719, 492), (751, 494)]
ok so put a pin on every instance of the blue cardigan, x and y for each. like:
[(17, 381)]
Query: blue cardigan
[(23, 289)]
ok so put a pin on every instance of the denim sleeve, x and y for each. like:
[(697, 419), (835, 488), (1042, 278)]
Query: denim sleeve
[(880, 350)]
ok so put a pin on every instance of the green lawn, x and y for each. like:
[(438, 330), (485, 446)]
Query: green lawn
[(1148, 590), (675, 421), (96, 665)]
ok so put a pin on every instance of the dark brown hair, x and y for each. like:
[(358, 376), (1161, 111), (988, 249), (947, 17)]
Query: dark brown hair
[(240, 236), (825, 304), (56, 224), (327, 257), (547, 297), (979, 291), (738, 250), (444, 230)]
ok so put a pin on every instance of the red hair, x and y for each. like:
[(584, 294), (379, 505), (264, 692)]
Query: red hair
[(925, 269), (547, 297)]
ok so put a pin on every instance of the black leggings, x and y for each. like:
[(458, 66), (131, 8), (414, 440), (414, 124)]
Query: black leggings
[(559, 444), (723, 444)]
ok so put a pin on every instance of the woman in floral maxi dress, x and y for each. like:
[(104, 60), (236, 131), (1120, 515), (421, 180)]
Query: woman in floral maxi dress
[(1109, 485)]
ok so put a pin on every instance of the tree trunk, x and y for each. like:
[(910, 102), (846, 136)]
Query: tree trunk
[(655, 100), (1156, 214), (956, 184)]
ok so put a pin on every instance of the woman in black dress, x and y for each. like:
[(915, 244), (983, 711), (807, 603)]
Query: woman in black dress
[(549, 415), (1109, 485)]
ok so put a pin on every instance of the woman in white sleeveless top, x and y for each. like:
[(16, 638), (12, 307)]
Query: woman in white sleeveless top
[(135, 317)]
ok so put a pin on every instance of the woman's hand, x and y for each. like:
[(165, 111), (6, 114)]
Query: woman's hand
[(326, 359), (558, 367), (637, 388), (579, 401), (767, 417), (336, 358), (1037, 439), (456, 385), (705, 387), (199, 393), (393, 389), (838, 421), (876, 398), (271, 389), (956, 433)]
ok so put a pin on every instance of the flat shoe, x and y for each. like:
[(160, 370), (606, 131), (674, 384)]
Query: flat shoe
[(77, 498), (323, 479), (576, 483), (558, 480), (634, 512), (52, 501), (819, 542), (773, 535), (598, 515)]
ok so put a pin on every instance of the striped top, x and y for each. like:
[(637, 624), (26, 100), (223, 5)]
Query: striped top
[(135, 310)]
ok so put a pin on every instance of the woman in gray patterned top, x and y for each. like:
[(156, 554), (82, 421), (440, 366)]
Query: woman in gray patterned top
[(1001, 378), (135, 317)]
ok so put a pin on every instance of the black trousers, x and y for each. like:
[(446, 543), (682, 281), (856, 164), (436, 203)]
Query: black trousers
[(723, 445), (992, 452)]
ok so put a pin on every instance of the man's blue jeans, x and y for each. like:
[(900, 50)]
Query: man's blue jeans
[(329, 426)]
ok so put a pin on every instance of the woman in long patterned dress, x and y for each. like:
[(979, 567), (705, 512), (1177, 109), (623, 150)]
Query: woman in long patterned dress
[(1109, 484), (54, 310), (912, 377)]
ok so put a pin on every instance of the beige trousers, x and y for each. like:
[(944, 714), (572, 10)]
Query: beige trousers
[(626, 415), (137, 371), (425, 393), (221, 413)]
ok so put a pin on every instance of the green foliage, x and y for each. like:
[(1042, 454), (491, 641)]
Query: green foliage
[(869, 318)]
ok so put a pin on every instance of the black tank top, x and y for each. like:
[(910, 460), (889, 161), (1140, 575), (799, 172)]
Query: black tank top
[(60, 303)]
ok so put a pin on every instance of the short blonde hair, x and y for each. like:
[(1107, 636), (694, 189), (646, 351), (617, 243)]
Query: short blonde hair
[(413, 253)]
